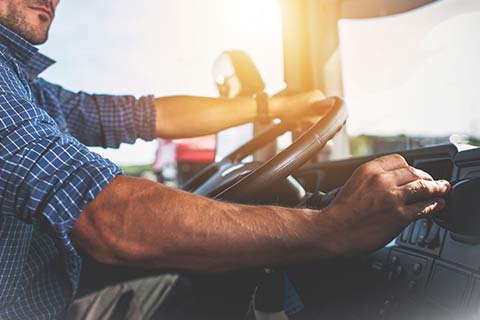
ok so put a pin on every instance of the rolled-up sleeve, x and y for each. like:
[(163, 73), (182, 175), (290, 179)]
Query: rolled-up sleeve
[(99, 120), (46, 176)]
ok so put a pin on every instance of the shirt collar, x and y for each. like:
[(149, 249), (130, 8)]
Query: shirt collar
[(33, 61)]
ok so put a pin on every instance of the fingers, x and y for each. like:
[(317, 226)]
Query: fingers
[(409, 174), (421, 190), (323, 106), (424, 209), (421, 174), (391, 162)]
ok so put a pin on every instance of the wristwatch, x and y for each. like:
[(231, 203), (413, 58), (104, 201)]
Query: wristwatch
[(263, 115)]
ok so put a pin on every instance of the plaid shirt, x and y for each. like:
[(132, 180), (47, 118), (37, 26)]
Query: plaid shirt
[(47, 176)]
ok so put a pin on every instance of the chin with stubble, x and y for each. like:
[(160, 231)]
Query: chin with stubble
[(30, 19)]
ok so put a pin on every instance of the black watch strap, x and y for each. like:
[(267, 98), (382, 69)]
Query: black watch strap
[(262, 107)]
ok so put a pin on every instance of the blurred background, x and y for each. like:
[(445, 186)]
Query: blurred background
[(159, 47), (409, 79)]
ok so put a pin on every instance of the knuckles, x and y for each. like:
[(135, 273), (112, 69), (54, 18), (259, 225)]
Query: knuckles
[(419, 185), (367, 169), (396, 158), (426, 186), (415, 172), (380, 180), (420, 173)]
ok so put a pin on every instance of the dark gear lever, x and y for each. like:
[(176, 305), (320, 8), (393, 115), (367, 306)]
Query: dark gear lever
[(462, 212), (320, 200)]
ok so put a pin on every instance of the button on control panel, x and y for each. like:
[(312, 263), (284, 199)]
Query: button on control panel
[(408, 273), (424, 235)]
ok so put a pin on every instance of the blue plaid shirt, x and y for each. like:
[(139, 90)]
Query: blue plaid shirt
[(47, 176)]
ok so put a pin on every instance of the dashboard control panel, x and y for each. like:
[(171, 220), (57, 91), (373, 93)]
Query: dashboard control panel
[(430, 271)]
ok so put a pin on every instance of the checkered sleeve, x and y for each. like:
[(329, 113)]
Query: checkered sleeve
[(100, 120), (46, 176)]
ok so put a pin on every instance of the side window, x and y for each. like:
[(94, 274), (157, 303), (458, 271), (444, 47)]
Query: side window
[(159, 47), (412, 79)]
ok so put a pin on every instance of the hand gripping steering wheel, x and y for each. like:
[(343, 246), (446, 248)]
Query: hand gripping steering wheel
[(234, 181)]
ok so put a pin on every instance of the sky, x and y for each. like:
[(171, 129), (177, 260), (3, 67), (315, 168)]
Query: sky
[(159, 47), (412, 73)]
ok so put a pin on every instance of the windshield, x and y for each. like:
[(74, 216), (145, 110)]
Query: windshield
[(415, 74), (159, 47)]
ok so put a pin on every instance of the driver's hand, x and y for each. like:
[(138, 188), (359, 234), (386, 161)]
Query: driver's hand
[(300, 106), (381, 198)]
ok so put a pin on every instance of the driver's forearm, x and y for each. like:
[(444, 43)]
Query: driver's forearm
[(141, 223), (188, 116)]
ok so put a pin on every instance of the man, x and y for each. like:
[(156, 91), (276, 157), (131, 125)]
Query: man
[(57, 199)]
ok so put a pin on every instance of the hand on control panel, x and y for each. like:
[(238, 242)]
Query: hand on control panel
[(380, 199)]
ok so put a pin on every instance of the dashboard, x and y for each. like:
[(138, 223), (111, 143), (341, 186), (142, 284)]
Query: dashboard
[(428, 272)]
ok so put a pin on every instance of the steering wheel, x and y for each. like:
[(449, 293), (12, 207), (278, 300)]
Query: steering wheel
[(234, 181)]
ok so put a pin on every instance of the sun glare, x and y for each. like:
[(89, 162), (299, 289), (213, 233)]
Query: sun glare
[(166, 48)]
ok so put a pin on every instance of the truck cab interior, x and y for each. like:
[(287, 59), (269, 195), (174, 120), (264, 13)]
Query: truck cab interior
[(401, 78)]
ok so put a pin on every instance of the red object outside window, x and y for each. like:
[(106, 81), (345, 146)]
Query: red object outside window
[(200, 149)]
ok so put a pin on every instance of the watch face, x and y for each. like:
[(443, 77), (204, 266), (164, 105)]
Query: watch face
[(262, 108)]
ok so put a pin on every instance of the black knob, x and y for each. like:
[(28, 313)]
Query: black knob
[(462, 213), (417, 268), (412, 284)]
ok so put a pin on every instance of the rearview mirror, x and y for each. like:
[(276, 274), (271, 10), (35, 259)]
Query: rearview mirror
[(236, 75)]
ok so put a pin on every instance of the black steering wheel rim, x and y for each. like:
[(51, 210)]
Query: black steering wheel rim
[(239, 154), (293, 157)]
